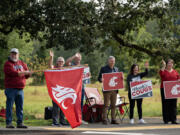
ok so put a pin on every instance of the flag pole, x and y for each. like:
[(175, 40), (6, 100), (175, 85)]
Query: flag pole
[(66, 67)]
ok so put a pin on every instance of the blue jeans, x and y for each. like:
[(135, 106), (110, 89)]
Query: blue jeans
[(56, 112), (17, 96)]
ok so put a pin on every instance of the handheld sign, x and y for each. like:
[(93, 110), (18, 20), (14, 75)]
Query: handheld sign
[(86, 75), (112, 81), (141, 89), (171, 89)]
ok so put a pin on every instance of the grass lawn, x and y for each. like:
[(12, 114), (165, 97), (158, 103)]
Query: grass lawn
[(36, 98)]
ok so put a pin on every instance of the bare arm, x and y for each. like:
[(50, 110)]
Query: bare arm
[(51, 59), (146, 65), (70, 59), (163, 65)]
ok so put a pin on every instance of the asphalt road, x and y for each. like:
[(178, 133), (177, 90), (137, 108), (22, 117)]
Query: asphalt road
[(131, 130), (136, 132), (154, 126)]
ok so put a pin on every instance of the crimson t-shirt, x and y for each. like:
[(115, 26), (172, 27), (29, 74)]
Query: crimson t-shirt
[(168, 76)]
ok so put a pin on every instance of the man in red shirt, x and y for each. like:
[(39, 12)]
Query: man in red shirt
[(16, 72)]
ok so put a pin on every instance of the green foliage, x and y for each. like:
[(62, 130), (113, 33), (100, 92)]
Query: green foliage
[(25, 49), (131, 31), (38, 62), (38, 65), (78, 24), (95, 60), (14, 41)]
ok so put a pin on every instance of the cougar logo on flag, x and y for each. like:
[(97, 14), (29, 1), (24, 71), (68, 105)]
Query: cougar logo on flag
[(65, 89), (61, 94), (112, 82), (174, 90)]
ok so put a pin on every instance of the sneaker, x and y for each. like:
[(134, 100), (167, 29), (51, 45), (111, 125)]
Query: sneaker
[(114, 122), (21, 126), (55, 125), (64, 123), (131, 121), (9, 126), (141, 121), (174, 122), (84, 122)]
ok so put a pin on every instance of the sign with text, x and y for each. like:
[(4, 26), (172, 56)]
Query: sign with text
[(86, 75), (112, 81), (141, 89), (171, 89)]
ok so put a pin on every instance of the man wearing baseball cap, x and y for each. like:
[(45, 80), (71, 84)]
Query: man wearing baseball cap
[(16, 72)]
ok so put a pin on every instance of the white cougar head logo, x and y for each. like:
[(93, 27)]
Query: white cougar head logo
[(61, 94), (174, 90), (112, 82)]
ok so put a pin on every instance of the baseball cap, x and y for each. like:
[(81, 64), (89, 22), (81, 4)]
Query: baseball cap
[(15, 50)]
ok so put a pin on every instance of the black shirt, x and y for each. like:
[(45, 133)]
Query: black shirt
[(138, 77), (106, 69)]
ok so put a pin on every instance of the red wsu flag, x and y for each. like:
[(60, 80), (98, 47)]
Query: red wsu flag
[(64, 87), (171, 89), (112, 81)]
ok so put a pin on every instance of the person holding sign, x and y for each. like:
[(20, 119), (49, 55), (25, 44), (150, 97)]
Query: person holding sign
[(134, 76), (169, 106), (56, 111), (109, 96)]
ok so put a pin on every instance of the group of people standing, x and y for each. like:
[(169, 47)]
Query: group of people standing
[(169, 106), (16, 72), (111, 96)]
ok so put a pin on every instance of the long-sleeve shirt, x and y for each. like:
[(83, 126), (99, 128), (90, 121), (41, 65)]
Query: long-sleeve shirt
[(12, 79), (133, 78), (168, 76)]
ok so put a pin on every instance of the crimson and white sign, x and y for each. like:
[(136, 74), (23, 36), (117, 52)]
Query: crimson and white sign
[(64, 88), (112, 81), (141, 89), (171, 89), (86, 75)]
